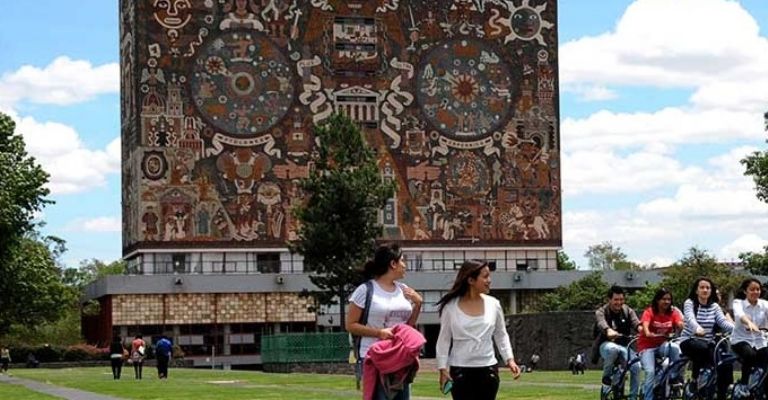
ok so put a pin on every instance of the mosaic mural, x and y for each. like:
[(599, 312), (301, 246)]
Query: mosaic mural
[(459, 97)]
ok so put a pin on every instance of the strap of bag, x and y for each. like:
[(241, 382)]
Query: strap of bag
[(364, 316)]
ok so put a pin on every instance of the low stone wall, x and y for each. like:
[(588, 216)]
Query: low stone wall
[(555, 336), (312, 368)]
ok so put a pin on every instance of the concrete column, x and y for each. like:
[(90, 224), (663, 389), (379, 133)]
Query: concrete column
[(513, 301), (176, 334), (277, 327), (227, 350)]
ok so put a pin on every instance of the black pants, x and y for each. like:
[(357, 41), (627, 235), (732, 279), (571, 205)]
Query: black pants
[(750, 358), (117, 367), (480, 383), (138, 366), (162, 366), (4, 362), (700, 352)]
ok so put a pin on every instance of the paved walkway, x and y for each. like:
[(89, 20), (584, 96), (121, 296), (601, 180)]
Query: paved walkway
[(57, 391)]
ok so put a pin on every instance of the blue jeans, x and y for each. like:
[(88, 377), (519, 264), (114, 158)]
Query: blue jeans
[(648, 360), (610, 351), (379, 394)]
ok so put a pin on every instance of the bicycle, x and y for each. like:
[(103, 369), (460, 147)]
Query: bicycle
[(754, 389), (615, 391), (704, 387), (666, 384)]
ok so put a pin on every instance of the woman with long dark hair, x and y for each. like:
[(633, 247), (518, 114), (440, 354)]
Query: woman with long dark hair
[(391, 303), (116, 355), (702, 314), (750, 313), (470, 321), (659, 320)]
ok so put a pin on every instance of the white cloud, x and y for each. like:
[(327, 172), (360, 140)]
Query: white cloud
[(606, 172), (669, 126), (590, 93), (72, 167), (102, 224), (64, 81), (709, 207), (742, 244), (682, 43)]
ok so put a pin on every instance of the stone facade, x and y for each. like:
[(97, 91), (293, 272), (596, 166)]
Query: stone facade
[(219, 99), (209, 308), (555, 336)]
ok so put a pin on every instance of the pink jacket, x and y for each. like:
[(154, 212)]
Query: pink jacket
[(399, 355)]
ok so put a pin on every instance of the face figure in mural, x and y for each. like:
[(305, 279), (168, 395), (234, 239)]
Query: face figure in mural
[(526, 23), (172, 14)]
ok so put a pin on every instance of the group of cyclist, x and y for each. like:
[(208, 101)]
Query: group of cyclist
[(694, 330)]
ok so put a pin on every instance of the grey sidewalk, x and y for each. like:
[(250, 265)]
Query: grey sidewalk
[(57, 391)]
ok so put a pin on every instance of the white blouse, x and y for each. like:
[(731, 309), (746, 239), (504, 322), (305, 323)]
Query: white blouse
[(471, 336), (758, 314)]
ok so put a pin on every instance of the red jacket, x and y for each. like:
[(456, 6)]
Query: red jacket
[(398, 356)]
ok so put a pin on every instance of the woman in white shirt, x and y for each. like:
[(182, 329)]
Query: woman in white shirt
[(750, 313), (392, 303), (469, 319)]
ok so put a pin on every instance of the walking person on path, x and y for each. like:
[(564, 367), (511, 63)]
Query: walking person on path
[(470, 322), (138, 349)]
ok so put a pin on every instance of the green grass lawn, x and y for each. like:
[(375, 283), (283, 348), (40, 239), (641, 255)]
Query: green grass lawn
[(9, 391), (240, 385)]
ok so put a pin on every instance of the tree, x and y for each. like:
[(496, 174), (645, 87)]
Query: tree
[(564, 263), (339, 221), (756, 263), (696, 263), (606, 256), (587, 293), (31, 291), (90, 271), (756, 166)]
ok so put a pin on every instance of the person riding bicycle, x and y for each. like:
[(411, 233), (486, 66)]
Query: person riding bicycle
[(702, 314), (616, 322), (750, 313), (659, 321)]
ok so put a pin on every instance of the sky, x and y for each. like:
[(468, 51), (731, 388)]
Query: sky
[(659, 100)]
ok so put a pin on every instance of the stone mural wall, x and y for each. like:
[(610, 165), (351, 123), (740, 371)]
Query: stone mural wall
[(219, 97), (209, 308), (555, 336)]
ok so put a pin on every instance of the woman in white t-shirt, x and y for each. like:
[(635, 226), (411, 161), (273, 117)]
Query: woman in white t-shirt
[(392, 303), (469, 319)]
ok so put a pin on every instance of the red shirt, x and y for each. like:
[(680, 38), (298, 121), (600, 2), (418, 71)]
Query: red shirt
[(662, 324)]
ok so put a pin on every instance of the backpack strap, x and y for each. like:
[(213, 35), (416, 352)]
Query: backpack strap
[(364, 317)]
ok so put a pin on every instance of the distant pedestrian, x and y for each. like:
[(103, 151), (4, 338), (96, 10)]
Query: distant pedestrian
[(572, 364), (535, 357), (163, 352), (138, 349), (5, 359), (580, 363), (116, 351)]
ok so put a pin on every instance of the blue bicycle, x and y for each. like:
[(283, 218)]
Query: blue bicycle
[(667, 384), (615, 391), (705, 386)]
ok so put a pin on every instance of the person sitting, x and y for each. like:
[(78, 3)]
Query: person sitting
[(32, 361)]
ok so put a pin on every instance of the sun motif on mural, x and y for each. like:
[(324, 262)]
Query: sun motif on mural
[(525, 22), (465, 89)]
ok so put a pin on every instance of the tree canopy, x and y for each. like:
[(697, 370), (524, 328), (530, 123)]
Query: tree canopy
[(756, 166), (31, 291), (339, 221), (606, 256), (564, 263)]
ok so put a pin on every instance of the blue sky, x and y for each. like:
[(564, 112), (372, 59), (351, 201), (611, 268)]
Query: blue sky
[(659, 101)]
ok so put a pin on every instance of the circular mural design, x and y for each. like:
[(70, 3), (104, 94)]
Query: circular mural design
[(154, 165), (468, 175), (241, 83), (465, 89)]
